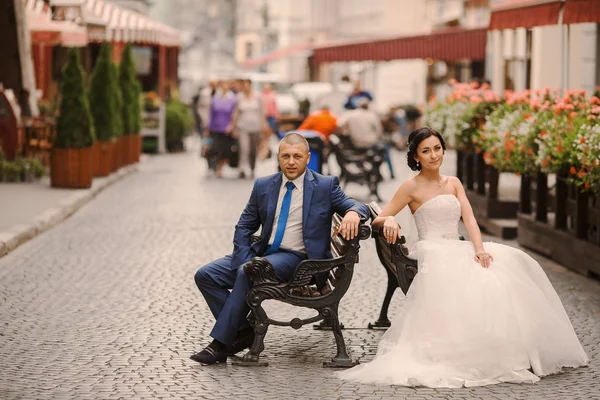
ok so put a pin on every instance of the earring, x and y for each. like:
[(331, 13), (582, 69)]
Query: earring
[(418, 164)]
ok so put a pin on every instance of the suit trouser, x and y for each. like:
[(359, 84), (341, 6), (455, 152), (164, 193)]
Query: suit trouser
[(215, 279)]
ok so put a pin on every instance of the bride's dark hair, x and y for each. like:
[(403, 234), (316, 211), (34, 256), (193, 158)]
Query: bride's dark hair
[(416, 137)]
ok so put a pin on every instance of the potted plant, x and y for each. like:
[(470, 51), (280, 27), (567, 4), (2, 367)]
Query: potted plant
[(130, 110), (137, 123), (151, 102), (103, 109), (178, 124), (12, 170), (119, 159), (71, 165)]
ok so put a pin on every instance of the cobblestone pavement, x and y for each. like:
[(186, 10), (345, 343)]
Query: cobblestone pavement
[(104, 305)]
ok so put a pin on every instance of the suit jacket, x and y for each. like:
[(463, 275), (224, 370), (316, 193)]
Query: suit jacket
[(322, 198)]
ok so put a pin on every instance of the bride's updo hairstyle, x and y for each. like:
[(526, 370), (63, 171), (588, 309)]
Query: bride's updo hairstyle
[(416, 137)]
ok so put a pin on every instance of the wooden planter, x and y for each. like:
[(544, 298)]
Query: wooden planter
[(124, 156), (133, 148), (116, 158), (136, 147), (71, 168), (564, 227), (103, 164)]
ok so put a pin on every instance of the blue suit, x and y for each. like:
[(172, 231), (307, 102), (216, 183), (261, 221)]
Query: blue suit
[(322, 198)]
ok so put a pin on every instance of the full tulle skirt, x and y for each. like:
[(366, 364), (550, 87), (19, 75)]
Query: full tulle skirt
[(465, 325)]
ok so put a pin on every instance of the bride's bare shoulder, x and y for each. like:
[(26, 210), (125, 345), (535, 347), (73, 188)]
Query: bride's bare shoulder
[(409, 185), (455, 182), (408, 188)]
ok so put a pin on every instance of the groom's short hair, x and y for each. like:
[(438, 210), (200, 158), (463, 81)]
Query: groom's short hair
[(293, 138)]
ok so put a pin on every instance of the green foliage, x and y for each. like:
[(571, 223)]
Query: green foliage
[(11, 171), (137, 109), (74, 126), (21, 169), (179, 121), (118, 98), (102, 100), (128, 84)]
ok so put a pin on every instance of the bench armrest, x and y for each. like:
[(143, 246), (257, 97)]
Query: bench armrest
[(260, 271)]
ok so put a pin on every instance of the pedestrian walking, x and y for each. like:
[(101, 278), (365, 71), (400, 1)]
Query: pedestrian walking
[(270, 106), (220, 127), (249, 123)]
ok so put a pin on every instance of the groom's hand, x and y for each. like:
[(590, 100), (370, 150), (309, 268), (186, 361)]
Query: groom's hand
[(349, 225)]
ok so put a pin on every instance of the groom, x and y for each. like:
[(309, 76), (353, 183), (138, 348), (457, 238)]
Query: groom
[(293, 208)]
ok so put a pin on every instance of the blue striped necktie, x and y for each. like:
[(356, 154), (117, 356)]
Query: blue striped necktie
[(283, 217)]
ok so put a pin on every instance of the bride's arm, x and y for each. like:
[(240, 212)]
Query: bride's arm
[(401, 198), (471, 224)]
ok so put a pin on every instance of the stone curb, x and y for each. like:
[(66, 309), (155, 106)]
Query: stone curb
[(19, 234)]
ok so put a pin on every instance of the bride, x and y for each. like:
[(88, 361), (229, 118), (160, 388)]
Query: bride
[(475, 315)]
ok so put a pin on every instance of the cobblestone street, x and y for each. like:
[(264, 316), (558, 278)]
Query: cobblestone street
[(104, 305)]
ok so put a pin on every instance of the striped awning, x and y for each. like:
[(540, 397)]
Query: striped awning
[(123, 25), (47, 31), (580, 11), (512, 14), (449, 45)]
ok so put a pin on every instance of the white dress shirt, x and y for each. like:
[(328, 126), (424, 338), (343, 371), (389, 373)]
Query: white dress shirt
[(292, 238)]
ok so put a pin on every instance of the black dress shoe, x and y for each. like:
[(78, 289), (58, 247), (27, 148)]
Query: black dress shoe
[(242, 342), (210, 356)]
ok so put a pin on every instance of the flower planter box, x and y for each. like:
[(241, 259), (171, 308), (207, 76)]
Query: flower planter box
[(494, 215), (103, 157), (124, 155), (116, 159), (564, 227), (71, 168), (132, 148), (136, 147)]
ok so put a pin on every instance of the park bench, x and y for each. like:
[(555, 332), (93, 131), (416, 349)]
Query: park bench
[(401, 269), (358, 165), (302, 291)]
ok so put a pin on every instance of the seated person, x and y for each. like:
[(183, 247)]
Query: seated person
[(362, 125), (293, 208), (321, 121)]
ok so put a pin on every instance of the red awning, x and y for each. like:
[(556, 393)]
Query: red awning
[(579, 11), (449, 45), (512, 14), (289, 51)]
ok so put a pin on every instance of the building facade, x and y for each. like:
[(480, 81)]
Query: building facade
[(556, 56), (208, 39)]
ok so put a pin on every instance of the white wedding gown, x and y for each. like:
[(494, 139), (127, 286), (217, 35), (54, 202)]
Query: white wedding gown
[(464, 325)]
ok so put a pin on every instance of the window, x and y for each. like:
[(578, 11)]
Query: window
[(248, 49)]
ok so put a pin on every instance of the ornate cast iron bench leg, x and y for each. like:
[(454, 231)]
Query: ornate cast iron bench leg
[(341, 360), (259, 322), (383, 320)]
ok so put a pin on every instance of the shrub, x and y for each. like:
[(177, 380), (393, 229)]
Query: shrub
[(118, 99), (128, 85), (74, 126), (102, 100), (179, 121), (137, 109)]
